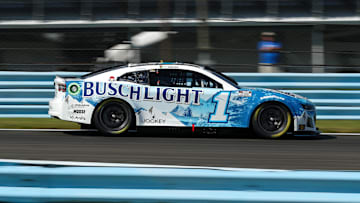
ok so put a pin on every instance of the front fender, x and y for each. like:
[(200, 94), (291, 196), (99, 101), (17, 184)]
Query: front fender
[(261, 97)]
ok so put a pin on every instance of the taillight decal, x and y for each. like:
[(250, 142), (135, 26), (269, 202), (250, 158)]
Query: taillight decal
[(62, 88)]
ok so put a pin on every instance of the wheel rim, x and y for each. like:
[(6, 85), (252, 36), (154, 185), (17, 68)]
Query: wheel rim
[(272, 119), (113, 116)]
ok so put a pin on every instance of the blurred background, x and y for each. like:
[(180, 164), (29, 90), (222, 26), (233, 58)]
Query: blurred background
[(229, 35)]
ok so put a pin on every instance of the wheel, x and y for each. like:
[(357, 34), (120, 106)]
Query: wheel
[(271, 120), (113, 117)]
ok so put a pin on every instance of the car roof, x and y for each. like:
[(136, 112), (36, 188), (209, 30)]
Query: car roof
[(130, 65), (162, 63), (119, 70)]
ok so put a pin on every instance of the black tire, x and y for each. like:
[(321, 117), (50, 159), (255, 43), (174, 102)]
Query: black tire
[(271, 120), (113, 117)]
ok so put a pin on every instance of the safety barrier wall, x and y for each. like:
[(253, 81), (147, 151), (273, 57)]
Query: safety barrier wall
[(56, 183), (27, 94), (336, 95)]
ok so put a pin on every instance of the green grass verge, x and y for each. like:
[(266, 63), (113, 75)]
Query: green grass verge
[(36, 123), (42, 123), (339, 126)]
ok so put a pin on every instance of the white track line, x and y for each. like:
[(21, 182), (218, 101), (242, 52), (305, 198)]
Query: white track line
[(53, 130), (340, 134), (49, 130), (94, 130), (104, 164)]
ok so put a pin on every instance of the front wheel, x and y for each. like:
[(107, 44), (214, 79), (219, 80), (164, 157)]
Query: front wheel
[(113, 117), (271, 120)]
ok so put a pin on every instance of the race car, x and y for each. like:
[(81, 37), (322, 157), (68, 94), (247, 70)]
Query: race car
[(178, 95)]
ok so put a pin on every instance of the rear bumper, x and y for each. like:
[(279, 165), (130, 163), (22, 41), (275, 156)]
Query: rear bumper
[(70, 110), (55, 109)]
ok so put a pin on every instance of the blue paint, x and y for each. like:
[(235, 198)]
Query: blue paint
[(122, 90), (183, 95), (168, 98), (147, 96), (112, 90), (79, 95), (135, 91), (100, 88), (214, 100), (88, 91)]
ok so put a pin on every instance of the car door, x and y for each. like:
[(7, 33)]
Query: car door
[(214, 102), (144, 98), (187, 97)]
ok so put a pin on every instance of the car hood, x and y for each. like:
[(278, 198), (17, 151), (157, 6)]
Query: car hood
[(280, 93)]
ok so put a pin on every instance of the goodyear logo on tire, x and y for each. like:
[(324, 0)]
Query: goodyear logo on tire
[(74, 89)]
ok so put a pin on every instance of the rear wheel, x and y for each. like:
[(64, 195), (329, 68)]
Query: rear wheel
[(271, 120), (113, 117)]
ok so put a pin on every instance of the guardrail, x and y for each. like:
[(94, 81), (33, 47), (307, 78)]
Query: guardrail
[(336, 95), (62, 183), (27, 94)]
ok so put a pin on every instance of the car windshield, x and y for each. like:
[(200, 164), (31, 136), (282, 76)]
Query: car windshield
[(223, 77)]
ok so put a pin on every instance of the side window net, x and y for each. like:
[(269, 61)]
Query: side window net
[(171, 78), (205, 82), (180, 78), (140, 77)]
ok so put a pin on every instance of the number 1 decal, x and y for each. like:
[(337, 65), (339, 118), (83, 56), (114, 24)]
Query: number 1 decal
[(222, 100)]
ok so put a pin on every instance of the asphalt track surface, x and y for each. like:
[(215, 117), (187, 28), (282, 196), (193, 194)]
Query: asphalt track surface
[(224, 150)]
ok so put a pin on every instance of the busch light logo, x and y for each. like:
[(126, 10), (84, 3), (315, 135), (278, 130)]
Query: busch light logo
[(135, 92)]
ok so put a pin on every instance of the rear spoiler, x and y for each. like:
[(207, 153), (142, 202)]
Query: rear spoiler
[(59, 79)]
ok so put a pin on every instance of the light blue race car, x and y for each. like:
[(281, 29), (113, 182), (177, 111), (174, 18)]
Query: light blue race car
[(117, 99)]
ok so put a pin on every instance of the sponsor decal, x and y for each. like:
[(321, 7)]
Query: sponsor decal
[(153, 119), (271, 96), (245, 93), (286, 93), (75, 117), (80, 105), (74, 89), (79, 111), (138, 93)]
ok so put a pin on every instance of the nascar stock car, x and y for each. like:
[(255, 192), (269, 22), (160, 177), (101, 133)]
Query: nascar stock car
[(177, 95)]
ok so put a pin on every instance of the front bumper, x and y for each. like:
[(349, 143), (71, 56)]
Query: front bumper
[(305, 124)]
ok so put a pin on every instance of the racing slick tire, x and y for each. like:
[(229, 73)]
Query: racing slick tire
[(113, 117), (271, 120)]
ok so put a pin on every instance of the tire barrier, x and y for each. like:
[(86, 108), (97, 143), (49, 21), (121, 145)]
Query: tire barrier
[(336, 95)]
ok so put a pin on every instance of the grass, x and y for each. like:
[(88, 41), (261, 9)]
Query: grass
[(36, 123), (339, 126), (42, 123)]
